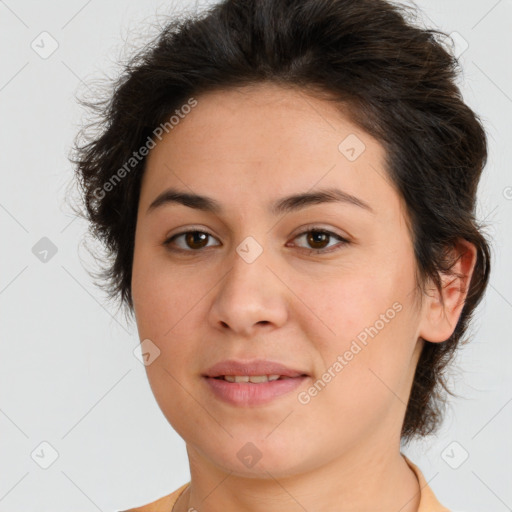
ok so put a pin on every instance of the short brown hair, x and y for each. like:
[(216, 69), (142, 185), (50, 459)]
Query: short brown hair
[(395, 79)]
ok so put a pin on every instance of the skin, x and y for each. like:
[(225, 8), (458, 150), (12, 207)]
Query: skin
[(246, 148)]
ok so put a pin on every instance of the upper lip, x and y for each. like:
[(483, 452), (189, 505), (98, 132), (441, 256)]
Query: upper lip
[(251, 368)]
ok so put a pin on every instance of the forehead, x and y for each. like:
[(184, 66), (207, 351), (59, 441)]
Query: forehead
[(259, 119), (266, 140)]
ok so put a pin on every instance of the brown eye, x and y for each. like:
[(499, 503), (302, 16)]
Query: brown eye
[(196, 239), (318, 240), (192, 241)]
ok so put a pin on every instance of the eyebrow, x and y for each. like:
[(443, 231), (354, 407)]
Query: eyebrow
[(284, 205)]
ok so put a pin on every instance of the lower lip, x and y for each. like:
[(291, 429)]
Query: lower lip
[(249, 393)]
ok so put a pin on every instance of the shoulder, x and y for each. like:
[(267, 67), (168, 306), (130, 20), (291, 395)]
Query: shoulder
[(428, 500), (163, 504)]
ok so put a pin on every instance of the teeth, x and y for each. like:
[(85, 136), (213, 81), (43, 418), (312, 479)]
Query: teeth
[(253, 378)]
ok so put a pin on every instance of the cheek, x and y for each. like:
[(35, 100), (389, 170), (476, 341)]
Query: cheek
[(344, 305), (365, 374), (161, 305), (159, 296), (168, 308), (370, 336)]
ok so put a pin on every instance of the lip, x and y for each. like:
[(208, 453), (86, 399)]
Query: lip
[(251, 368), (247, 394)]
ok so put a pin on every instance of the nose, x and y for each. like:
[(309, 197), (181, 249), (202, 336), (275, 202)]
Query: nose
[(250, 297)]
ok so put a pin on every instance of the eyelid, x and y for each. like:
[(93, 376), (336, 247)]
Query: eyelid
[(188, 229), (318, 227)]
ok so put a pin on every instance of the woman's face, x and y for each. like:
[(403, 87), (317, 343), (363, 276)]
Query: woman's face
[(262, 285)]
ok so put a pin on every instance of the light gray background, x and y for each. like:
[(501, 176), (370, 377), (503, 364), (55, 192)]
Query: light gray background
[(68, 374)]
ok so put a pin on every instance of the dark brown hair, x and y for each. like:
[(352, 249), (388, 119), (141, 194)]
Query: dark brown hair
[(393, 78)]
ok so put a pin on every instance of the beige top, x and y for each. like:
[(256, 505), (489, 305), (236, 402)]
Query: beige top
[(428, 501)]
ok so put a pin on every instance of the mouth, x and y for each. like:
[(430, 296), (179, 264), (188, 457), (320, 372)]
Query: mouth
[(260, 370), (252, 383), (254, 379), (244, 391)]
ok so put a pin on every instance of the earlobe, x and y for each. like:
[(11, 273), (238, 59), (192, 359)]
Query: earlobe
[(441, 311)]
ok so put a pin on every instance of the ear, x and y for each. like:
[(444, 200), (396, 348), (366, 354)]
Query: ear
[(438, 321)]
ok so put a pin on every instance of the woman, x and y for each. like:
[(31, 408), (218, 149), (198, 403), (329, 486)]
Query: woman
[(287, 190)]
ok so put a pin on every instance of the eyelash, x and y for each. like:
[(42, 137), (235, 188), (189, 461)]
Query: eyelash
[(342, 243)]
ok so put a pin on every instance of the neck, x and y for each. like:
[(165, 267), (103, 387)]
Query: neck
[(355, 482)]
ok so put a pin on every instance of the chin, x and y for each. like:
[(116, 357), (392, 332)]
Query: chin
[(254, 457)]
